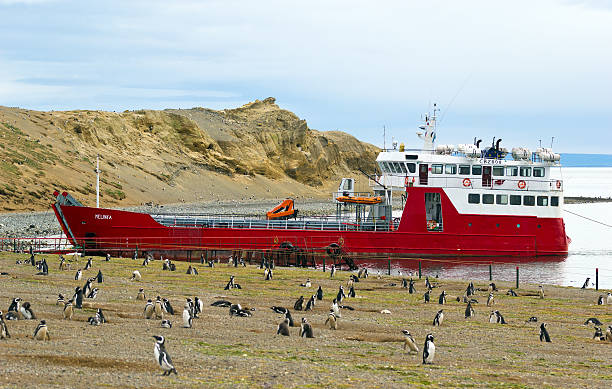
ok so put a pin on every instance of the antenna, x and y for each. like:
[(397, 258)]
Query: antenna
[(98, 181), (455, 96), (551, 141), (540, 143), (384, 138)]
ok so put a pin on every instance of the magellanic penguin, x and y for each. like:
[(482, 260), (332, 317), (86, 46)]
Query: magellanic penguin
[(306, 329), (428, 284), (299, 304), (290, 318), (199, 305), (162, 357), (26, 311), (429, 350), (187, 318), (352, 293), (541, 292), (600, 300), (409, 342), (149, 309), (492, 287), (141, 294), (310, 304), (283, 328), (426, 296), (335, 308), (544, 333), (332, 272), (496, 317), (490, 300), (167, 306), (60, 299), (609, 334), (89, 263), (166, 323), (586, 283), (93, 294), (442, 298), (609, 299), (4, 334), (87, 287), (469, 311), (512, 293), (437, 321), (592, 320), (78, 275), (341, 295), (15, 305), (42, 332), (332, 320), (158, 309), (279, 310), (100, 277), (320, 293), (136, 276), (307, 284), (68, 310), (599, 334)]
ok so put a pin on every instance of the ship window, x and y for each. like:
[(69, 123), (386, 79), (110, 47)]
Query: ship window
[(387, 167), (542, 201), (464, 169), (383, 167), (525, 172), (450, 169), (393, 167), (538, 172), (512, 171), (529, 200), (473, 198), (401, 166), (554, 201), (476, 170), (515, 200), (412, 156), (436, 169), (498, 171), (433, 212), (411, 167), (501, 199), (487, 198)]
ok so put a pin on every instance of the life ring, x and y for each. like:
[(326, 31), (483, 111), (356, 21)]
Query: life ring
[(341, 241), (409, 181), (406, 181), (467, 182), (558, 184), (522, 184)]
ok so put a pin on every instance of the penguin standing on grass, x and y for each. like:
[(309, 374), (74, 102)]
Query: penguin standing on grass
[(4, 334), (141, 294), (496, 317), (320, 293), (600, 300), (332, 272), (442, 298), (411, 288), (167, 306), (187, 318), (299, 304), (149, 309), (409, 342), (26, 311), (162, 357), (306, 329), (89, 263), (93, 294), (42, 332), (68, 310), (158, 309), (310, 304), (609, 298), (332, 320), (437, 321), (609, 334), (541, 292), (78, 275), (469, 311), (544, 333), (341, 295), (283, 328), (426, 296), (586, 283), (490, 300), (100, 277), (429, 350)]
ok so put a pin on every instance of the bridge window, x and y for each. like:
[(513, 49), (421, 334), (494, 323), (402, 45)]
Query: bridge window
[(473, 198), (450, 169), (538, 172), (501, 199), (542, 201), (515, 200), (402, 167), (394, 168), (476, 170), (554, 201), (512, 171), (436, 169), (529, 200), (487, 198), (464, 170), (411, 167), (525, 171), (498, 171)]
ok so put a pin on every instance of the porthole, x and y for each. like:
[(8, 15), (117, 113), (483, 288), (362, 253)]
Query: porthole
[(497, 225), (539, 226), (518, 226), (469, 224)]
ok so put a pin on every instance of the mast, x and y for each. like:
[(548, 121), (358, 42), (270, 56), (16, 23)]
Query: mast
[(97, 181)]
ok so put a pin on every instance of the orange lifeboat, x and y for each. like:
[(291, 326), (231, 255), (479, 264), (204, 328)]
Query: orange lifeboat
[(359, 200), (282, 211)]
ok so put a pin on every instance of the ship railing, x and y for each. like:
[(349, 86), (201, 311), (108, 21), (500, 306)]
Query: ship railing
[(525, 184)]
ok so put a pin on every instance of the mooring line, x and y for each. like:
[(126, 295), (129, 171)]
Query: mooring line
[(588, 218)]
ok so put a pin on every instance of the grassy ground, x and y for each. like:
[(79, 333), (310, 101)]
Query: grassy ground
[(226, 351)]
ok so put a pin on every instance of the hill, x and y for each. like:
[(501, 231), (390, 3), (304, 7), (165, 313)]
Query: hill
[(257, 151)]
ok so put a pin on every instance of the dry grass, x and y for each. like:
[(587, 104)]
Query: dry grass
[(227, 351)]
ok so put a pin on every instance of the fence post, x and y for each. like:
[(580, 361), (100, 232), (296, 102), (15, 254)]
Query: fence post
[(389, 266), (517, 277), (596, 278), (491, 271), (420, 273), (323, 264)]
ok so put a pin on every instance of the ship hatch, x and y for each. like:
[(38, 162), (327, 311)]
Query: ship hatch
[(486, 176), (433, 211), (423, 173)]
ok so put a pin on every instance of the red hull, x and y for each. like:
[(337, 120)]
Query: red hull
[(463, 235)]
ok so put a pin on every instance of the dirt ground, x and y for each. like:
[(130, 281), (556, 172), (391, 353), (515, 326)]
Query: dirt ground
[(225, 351)]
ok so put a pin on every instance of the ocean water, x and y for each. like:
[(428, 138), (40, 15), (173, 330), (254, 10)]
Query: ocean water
[(591, 246)]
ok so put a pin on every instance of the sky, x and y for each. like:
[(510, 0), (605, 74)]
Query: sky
[(523, 71)]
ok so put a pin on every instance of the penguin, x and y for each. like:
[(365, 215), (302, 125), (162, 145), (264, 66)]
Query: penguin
[(586, 283), (332, 272), (279, 310), (94, 321), (268, 274), (230, 283), (426, 296), (68, 311), (199, 305), (592, 320), (351, 293), (78, 298), (532, 319), (469, 311), (158, 309), (42, 332), (108, 257), (146, 260), (310, 304), (429, 350), (93, 294), (307, 284), (332, 320), (499, 318), (541, 292), (469, 291), (162, 358), (62, 264), (599, 334), (490, 300), (141, 294), (360, 272), (428, 284), (192, 310), (77, 276), (211, 263), (60, 299), (335, 308), (136, 276), (320, 293), (166, 264), (340, 294), (189, 270), (609, 298), (187, 318), (15, 305), (221, 303), (100, 315), (100, 277), (306, 329), (166, 323), (283, 328), (609, 334), (87, 287), (26, 311), (290, 318), (492, 287), (88, 265), (44, 268), (409, 342), (299, 304), (442, 298), (544, 333), (167, 306), (404, 283), (353, 278), (600, 300), (4, 333), (437, 321), (411, 288), (148, 309), (512, 293)]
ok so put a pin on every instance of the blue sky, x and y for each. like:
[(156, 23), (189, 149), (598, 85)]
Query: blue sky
[(520, 70)]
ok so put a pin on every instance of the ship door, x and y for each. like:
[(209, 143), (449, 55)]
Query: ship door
[(433, 212), (486, 176), (423, 173)]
